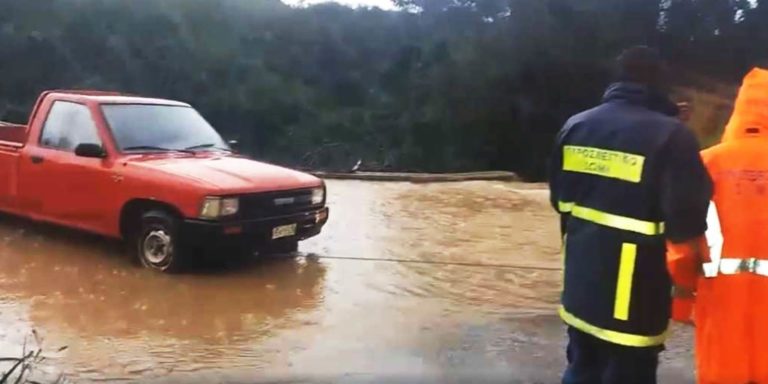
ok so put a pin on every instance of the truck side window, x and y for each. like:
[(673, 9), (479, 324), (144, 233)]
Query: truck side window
[(68, 125)]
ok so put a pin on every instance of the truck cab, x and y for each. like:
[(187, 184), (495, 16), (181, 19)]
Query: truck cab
[(153, 172)]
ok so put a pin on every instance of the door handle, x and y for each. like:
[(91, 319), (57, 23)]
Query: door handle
[(36, 159)]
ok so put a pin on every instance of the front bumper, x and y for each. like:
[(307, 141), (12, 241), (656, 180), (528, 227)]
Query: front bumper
[(257, 231)]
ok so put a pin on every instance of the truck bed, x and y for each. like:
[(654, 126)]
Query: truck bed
[(12, 135)]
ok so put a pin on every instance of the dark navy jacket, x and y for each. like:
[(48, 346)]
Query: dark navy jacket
[(625, 177)]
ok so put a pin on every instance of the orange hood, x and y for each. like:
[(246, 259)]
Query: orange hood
[(750, 113), (229, 174)]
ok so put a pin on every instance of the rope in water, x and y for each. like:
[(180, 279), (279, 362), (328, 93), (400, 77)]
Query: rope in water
[(437, 262)]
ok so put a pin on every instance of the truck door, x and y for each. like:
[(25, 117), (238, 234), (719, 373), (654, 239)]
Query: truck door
[(57, 184)]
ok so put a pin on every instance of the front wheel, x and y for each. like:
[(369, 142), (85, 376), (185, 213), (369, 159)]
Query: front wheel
[(157, 243)]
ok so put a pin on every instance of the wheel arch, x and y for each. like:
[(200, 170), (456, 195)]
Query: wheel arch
[(130, 214)]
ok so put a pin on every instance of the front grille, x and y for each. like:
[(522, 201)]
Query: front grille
[(271, 204)]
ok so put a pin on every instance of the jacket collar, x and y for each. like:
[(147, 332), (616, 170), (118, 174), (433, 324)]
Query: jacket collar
[(642, 95)]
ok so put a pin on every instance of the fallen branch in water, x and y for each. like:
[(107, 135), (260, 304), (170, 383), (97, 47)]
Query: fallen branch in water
[(24, 366)]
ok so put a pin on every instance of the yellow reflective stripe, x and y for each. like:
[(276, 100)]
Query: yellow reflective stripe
[(624, 282), (616, 221), (615, 337), (602, 162), (564, 207), (611, 220)]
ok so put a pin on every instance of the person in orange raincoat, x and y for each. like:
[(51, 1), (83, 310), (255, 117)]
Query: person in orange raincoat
[(731, 284)]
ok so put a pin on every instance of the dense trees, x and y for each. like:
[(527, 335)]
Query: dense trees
[(446, 85)]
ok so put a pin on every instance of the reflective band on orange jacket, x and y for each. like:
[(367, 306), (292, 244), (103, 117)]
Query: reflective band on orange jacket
[(731, 308)]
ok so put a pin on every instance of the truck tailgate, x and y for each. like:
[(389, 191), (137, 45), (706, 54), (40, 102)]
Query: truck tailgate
[(9, 173), (12, 138), (12, 135)]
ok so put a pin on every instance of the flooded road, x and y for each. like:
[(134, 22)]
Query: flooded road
[(408, 281)]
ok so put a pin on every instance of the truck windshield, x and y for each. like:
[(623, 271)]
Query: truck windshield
[(148, 128)]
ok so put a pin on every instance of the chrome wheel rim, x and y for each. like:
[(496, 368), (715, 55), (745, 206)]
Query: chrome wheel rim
[(158, 246)]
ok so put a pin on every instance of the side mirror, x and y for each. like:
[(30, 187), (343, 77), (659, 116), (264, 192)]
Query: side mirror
[(234, 144), (90, 150)]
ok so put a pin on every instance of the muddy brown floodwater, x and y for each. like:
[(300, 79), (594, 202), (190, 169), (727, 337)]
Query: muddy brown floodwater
[(433, 318)]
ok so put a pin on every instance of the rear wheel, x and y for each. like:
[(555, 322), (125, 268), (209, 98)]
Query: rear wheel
[(157, 242)]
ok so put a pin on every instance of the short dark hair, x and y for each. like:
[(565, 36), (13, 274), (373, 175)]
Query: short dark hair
[(640, 64)]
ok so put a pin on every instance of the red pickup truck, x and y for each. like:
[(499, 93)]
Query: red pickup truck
[(153, 172)]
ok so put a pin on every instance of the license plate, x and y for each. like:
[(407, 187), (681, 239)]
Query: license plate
[(283, 231)]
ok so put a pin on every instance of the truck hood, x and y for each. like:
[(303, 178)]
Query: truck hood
[(229, 174)]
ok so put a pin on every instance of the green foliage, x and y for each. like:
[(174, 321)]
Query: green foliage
[(448, 85)]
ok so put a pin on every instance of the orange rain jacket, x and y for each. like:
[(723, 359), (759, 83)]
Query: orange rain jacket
[(731, 309)]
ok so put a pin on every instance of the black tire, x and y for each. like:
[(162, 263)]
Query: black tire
[(157, 242), (285, 247)]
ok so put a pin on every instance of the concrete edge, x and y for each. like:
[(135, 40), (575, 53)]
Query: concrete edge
[(421, 177)]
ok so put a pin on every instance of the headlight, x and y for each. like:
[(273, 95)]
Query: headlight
[(215, 207), (318, 195)]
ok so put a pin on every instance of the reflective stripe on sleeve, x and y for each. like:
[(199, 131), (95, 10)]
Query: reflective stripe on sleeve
[(611, 220), (714, 241), (615, 337), (728, 266), (603, 162), (624, 282), (564, 207)]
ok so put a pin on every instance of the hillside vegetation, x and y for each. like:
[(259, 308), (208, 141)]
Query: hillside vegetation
[(449, 85)]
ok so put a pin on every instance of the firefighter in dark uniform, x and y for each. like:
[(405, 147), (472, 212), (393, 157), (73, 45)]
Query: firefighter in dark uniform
[(625, 177)]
